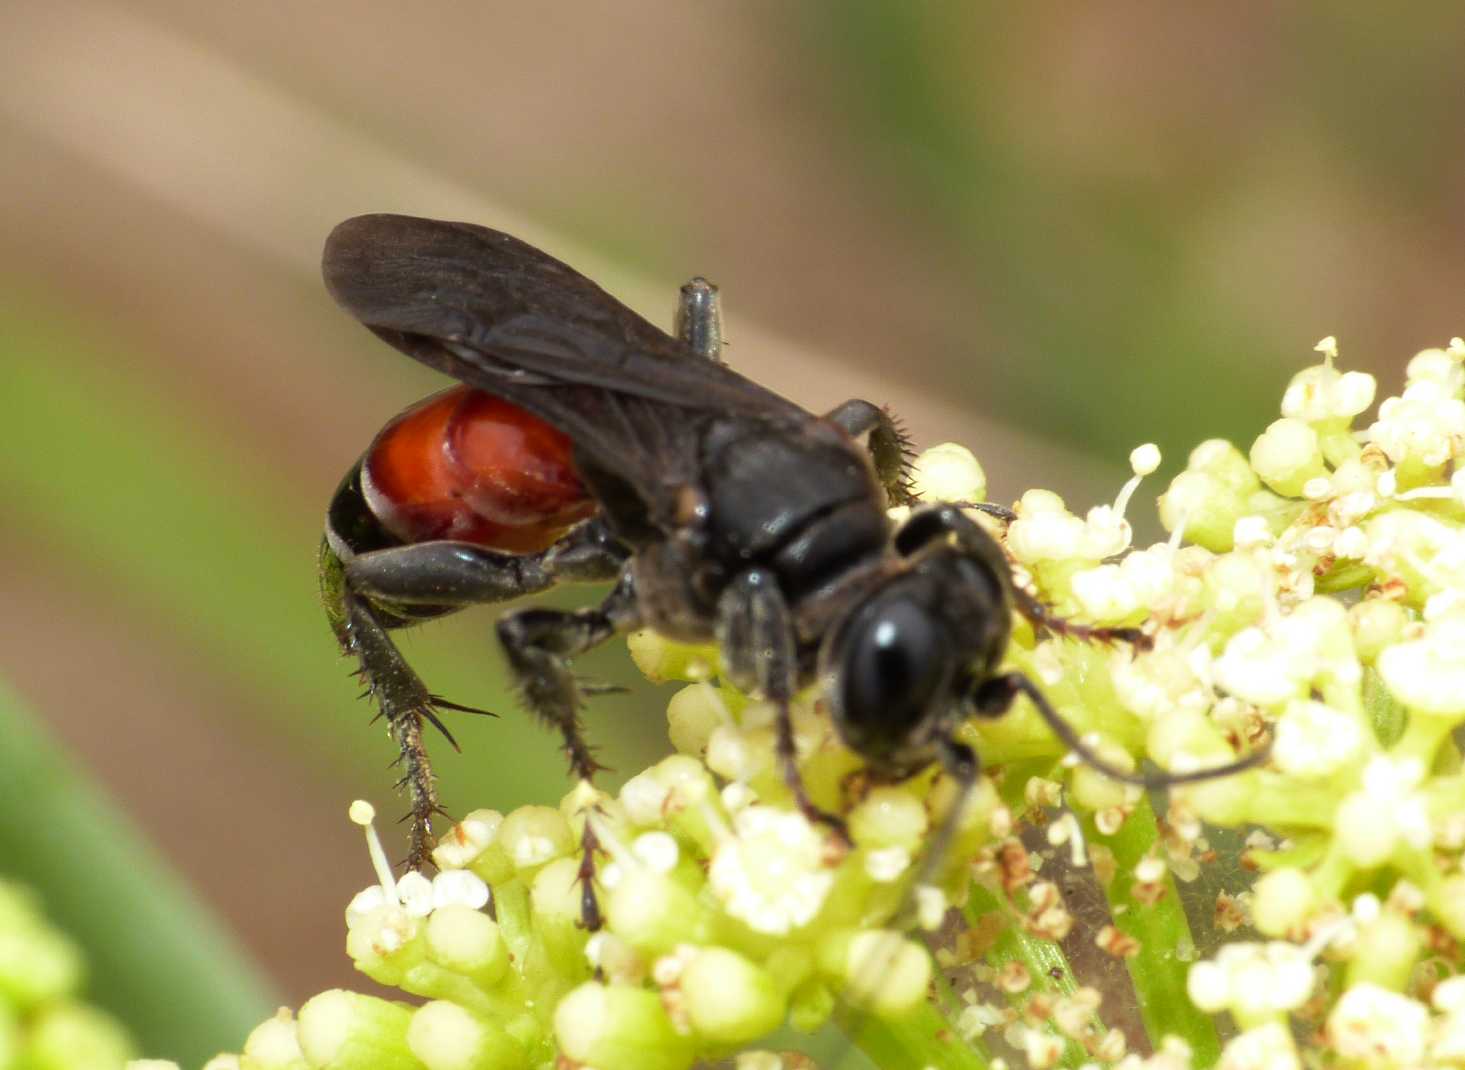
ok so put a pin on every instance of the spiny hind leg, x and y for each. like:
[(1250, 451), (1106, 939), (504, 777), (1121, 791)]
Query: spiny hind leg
[(377, 591), (404, 700)]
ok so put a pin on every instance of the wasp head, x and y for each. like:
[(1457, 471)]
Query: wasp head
[(900, 667)]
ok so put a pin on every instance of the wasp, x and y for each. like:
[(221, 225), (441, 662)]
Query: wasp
[(584, 444)]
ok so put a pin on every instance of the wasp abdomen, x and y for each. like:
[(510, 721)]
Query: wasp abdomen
[(468, 466)]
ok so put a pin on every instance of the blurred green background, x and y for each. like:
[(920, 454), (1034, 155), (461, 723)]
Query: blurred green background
[(1051, 232)]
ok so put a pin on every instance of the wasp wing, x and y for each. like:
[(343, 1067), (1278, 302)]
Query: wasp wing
[(502, 316)]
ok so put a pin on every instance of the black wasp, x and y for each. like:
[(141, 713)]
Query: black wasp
[(587, 445)]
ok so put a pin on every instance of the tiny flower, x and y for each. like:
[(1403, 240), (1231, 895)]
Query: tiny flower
[(1314, 740), (887, 864), (656, 850), (414, 892), (1043, 1050), (534, 835), (727, 998), (275, 1041), (1115, 592), (877, 970), (340, 1028), (1044, 529), (1266, 1047), (1252, 980), (1287, 455), (1321, 394), (1387, 812), (694, 713), (1255, 668), (1426, 554), (1373, 1025), (770, 873), (618, 1027), (467, 839), (1439, 366), (1420, 426), (1449, 1038), (1311, 644), (1157, 685), (949, 473), (1213, 492), (443, 1034), (1281, 902), (1428, 674), (467, 941), (888, 817), (458, 888)]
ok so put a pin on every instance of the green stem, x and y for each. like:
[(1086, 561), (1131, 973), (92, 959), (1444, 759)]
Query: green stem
[(157, 958), (925, 1038), (1161, 929), (1047, 966)]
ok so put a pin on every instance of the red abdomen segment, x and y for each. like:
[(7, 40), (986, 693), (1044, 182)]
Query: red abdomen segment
[(467, 466)]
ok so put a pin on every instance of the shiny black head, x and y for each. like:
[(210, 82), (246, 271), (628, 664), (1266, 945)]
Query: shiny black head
[(902, 664)]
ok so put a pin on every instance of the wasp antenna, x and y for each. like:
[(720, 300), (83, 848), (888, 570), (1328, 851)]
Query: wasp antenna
[(1001, 512), (1044, 619)]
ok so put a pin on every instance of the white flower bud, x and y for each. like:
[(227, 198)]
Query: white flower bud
[(771, 874), (1266, 1047), (1373, 1025), (949, 473), (1321, 393), (1314, 740)]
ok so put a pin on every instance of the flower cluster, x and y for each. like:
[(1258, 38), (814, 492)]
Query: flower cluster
[(1310, 599), (43, 1021)]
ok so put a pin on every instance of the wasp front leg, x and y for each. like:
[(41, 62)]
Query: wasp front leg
[(756, 633), (890, 446), (367, 595)]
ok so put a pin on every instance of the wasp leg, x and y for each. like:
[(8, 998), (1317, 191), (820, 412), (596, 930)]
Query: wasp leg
[(962, 765), (370, 594), (458, 574), (699, 318), (539, 644), (994, 697), (756, 634), (1001, 512), (890, 446), (405, 702)]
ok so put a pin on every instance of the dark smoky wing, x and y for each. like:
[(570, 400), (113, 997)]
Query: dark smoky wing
[(498, 314), (502, 311)]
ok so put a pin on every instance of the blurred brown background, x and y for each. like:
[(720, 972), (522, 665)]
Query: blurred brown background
[(1051, 233)]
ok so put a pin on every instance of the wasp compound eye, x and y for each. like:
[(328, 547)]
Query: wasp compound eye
[(891, 663)]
